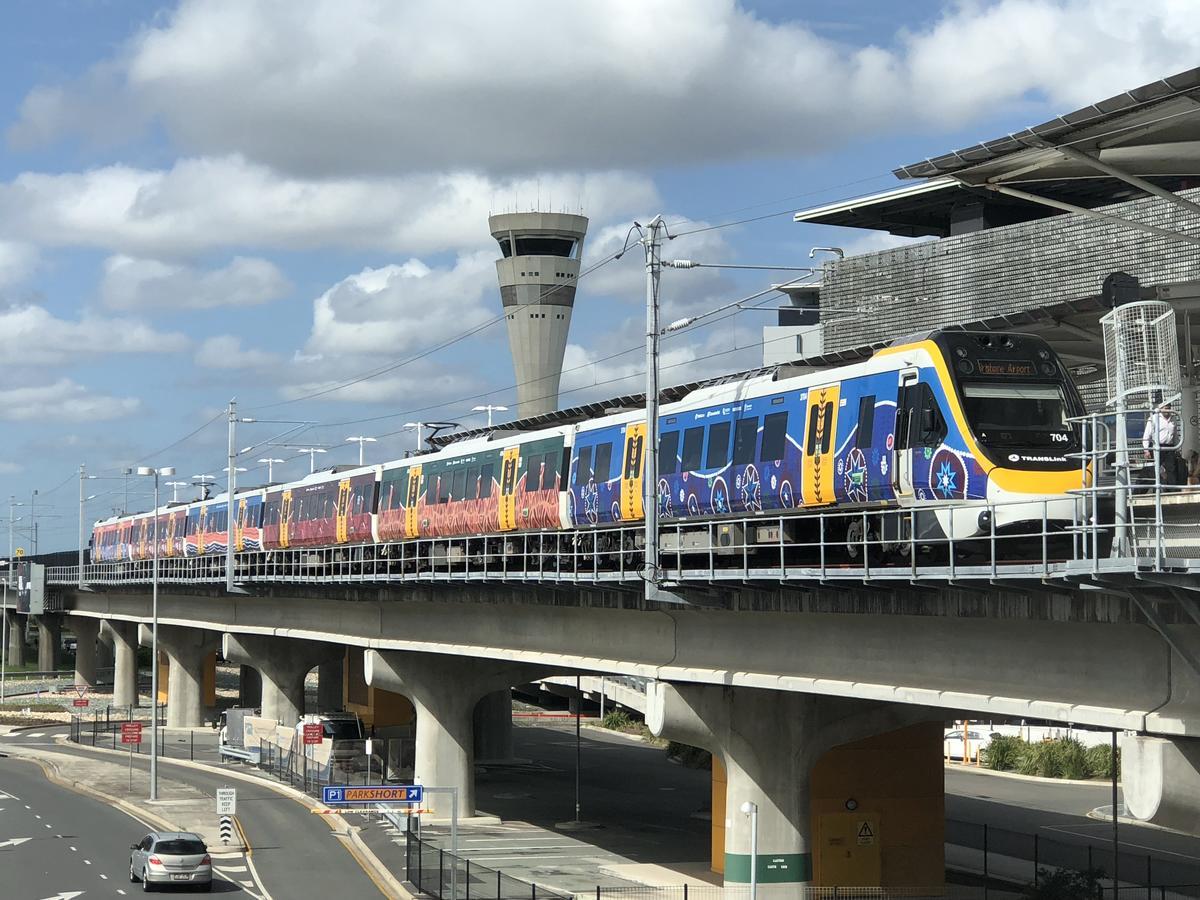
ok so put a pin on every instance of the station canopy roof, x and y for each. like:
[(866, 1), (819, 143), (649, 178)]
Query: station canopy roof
[(1085, 158)]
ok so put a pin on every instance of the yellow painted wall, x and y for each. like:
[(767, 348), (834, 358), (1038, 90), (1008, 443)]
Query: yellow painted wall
[(719, 780), (375, 706), (208, 685), (164, 674), (897, 781)]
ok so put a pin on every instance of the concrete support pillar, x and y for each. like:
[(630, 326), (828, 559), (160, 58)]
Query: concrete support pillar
[(493, 727), (283, 663), (444, 690), (250, 688), (768, 742), (330, 681), (104, 651), (124, 640), (18, 650), (49, 641), (86, 631), (186, 650), (1160, 780)]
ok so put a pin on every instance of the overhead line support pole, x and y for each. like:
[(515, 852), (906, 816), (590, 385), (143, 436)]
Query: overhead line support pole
[(232, 483), (652, 242)]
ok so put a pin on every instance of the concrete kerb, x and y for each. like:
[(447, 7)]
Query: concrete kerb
[(1036, 779), (387, 883)]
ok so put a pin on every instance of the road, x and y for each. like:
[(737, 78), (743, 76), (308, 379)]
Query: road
[(293, 853), (55, 842)]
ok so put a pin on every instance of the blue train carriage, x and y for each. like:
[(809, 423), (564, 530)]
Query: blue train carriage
[(604, 484), (983, 417)]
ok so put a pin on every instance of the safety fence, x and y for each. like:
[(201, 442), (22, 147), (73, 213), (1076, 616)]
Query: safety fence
[(438, 873), (805, 892), (1021, 858)]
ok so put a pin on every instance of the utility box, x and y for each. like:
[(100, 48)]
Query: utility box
[(31, 588)]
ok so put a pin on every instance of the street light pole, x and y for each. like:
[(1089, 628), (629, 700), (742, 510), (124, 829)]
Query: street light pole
[(82, 476), (361, 439), (168, 471), (12, 507), (750, 809), (652, 242), (175, 486), (489, 408), (270, 467)]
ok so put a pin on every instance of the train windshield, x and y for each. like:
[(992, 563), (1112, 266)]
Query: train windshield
[(1019, 415)]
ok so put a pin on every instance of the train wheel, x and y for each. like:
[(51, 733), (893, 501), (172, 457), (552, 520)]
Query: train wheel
[(854, 541)]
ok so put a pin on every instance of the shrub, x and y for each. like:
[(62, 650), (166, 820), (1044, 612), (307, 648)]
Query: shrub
[(1004, 752), (617, 720), (1073, 761), (1100, 761), (1043, 759), (689, 756), (1064, 885)]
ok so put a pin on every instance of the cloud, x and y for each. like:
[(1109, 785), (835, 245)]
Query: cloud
[(225, 351), (328, 87), (9, 468), (17, 260), (415, 387), (63, 401), (34, 336), (132, 283), (399, 308), (204, 203)]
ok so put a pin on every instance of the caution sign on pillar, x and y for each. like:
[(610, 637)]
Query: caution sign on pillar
[(226, 829)]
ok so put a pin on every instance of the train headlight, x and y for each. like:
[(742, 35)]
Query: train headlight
[(985, 520)]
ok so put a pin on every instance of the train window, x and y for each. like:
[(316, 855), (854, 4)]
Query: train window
[(430, 489), (717, 456), (827, 434), (693, 444), (458, 483), (603, 464), (486, 475), (810, 436), (583, 467), (745, 436), (866, 421), (471, 488), (549, 473), (444, 487), (932, 423), (774, 439), (633, 456), (668, 453)]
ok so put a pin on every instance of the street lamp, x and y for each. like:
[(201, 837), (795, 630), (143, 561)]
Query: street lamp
[(271, 467), (489, 408), (236, 469), (12, 520), (750, 809), (312, 456), (175, 486), (83, 476), (167, 471), (419, 426), (360, 439), (203, 482)]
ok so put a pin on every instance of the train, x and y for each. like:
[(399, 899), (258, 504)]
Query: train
[(948, 435)]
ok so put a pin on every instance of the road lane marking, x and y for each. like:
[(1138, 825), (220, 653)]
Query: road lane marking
[(36, 816), (105, 877), (121, 892), (76, 849), (35, 734), (87, 862)]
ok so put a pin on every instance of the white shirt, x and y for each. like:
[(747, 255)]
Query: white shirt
[(1162, 427)]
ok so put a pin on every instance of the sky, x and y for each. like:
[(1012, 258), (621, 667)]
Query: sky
[(285, 201)]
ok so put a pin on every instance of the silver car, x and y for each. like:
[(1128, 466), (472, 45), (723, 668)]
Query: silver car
[(170, 857)]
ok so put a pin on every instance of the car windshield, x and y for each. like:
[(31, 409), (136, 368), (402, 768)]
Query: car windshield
[(180, 847), (1010, 414)]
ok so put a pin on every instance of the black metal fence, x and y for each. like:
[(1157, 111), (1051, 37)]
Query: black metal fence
[(1021, 858), (438, 873)]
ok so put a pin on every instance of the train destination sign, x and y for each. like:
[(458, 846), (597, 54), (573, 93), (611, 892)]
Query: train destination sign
[(343, 795), (1008, 368)]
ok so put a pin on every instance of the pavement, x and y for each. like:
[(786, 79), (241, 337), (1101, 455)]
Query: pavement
[(280, 849)]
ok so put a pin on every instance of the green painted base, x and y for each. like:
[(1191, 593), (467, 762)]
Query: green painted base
[(777, 868)]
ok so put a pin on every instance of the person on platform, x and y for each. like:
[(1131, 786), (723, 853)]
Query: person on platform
[(1162, 431)]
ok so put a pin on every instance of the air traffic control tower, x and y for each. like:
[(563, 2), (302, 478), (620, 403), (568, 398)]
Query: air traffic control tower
[(537, 273)]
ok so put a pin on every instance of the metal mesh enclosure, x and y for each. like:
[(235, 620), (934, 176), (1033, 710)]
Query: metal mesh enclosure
[(1141, 354)]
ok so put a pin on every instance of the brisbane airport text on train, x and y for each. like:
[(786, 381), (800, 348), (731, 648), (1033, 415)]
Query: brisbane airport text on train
[(942, 425)]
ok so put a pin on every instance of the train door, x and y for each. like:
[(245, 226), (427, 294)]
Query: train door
[(341, 511), (285, 519), (412, 498), (632, 471), (239, 526), (510, 462), (902, 439), (820, 435), (171, 534)]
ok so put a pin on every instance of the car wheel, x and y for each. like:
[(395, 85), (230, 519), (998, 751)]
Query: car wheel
[(132, 875), (146, 886)]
